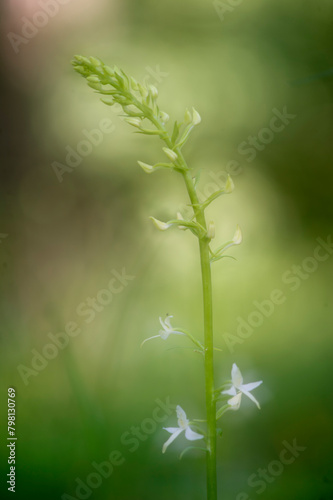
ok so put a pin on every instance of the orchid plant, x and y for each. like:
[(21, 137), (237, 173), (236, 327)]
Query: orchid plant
[(140, 109)]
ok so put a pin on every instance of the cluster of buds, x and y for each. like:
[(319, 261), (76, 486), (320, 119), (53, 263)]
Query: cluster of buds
[(138, 103)]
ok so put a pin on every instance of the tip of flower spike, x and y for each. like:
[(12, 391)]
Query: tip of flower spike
[(162, 226), (238, 238), (229, 185), (196, 118), (147, 168), (96, 62), (81, 60)]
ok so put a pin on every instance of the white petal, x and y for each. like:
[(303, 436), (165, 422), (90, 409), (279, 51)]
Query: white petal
[(167, 322), (163, 334), (154, 337), (191, 435), (163, 324), (171, 439), (236, 376), (171, 429), (250, 396), (182, 419), (249, 387), (230, 392), (235, 401)]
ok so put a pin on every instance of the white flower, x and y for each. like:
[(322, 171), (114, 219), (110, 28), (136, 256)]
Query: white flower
[(238, 388), (183, 425), (167, 330)]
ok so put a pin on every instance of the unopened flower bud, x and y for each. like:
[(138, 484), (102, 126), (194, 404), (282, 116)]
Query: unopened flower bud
[(180, 217), (93, 79), (108, 101), (109, 70), (82, 59), (153, 91), (164, 117), (196, 118), (238, 238), (147, 168), (187, 117), (96, 62), (211, 230), (170, 154), (96, 86), (162, 226), (135, 122), (229, 185), (143, 91), (134, 84)]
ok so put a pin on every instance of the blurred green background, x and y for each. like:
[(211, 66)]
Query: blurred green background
[(61, 241)]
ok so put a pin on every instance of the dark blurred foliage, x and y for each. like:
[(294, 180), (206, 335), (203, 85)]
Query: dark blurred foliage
[(62, 240)]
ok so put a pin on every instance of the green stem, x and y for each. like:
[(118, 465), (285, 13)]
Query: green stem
[(208, 319), (209, 346)]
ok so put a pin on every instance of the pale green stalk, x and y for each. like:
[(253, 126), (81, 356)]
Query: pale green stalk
[(124, 92)]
